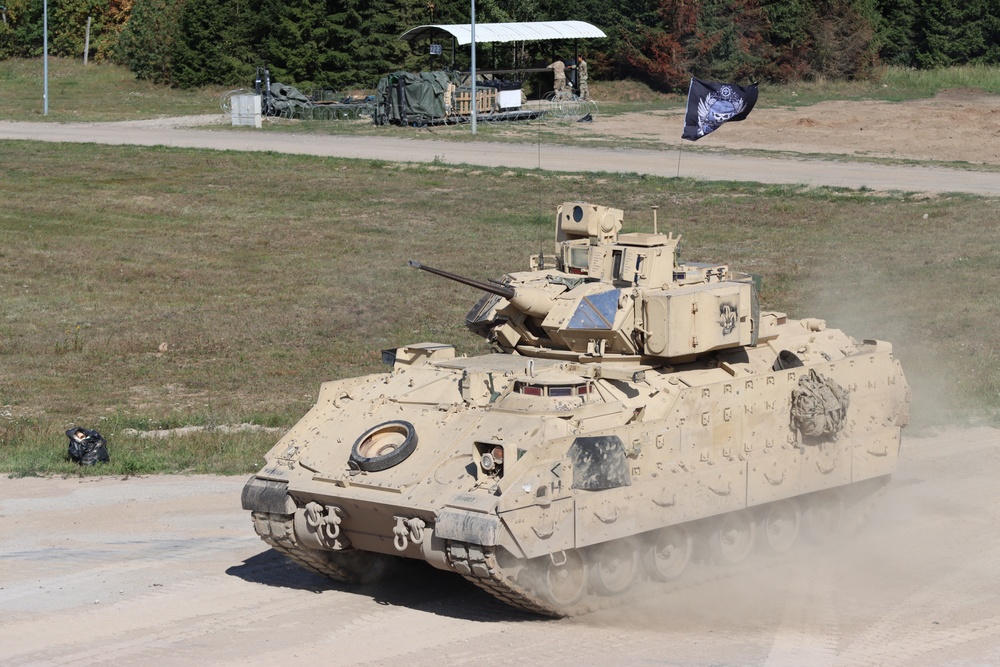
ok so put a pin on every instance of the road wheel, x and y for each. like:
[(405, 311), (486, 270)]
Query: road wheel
[(566, 578), (732, 540), (779, 524), (614, 565), (667, 553)]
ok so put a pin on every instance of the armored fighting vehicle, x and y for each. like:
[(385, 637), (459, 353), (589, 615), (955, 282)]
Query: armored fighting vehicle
[(640, 417)]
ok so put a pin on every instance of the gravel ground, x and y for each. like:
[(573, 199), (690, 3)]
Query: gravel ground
[(168, 571)]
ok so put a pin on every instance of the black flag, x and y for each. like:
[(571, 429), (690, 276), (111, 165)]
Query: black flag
[(711, 104)]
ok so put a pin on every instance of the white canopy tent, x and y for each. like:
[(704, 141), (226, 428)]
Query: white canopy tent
[(507, 32), (485, 33)]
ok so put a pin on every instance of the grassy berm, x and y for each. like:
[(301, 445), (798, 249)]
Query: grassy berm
[(157, 288)]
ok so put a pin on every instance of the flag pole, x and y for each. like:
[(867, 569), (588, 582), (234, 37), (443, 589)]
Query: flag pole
[(686, 106)]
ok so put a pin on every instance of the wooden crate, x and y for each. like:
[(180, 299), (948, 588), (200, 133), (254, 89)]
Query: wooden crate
[(486, 99)]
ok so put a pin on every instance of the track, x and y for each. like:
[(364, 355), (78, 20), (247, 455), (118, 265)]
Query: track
[(526, 589)]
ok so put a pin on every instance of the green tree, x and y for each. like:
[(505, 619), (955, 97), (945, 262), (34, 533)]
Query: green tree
[(68, 26), (415, 57), (147, 42), (895, 31), (378, 44), (333, 43), (302, 41), (22, 34), (790, 38), (213, 45), (953, 32), (731, 41)]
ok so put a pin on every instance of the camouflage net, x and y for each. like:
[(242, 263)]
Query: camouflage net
[(819, 405)]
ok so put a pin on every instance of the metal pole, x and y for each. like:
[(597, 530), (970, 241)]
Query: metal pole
[(473, 66), (45, 57)]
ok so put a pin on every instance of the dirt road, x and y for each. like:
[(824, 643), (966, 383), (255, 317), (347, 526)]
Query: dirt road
[(167, 571), (955, 126)]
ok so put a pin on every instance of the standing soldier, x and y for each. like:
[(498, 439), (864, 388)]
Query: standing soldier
[(559, 75), (581, 77)]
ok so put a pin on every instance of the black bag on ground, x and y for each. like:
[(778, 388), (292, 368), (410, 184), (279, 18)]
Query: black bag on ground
[(87, 447)]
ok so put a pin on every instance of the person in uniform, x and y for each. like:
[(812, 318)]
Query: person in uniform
[(581, 77), (559, 75)]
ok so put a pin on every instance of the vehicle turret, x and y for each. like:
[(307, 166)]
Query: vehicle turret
[(613, 295)]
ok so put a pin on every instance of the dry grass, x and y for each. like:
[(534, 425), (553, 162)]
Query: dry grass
[(153, 288), (96, 92), (159, 287)]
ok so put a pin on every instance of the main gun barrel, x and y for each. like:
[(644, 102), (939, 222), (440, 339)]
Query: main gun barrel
[(493, 288)]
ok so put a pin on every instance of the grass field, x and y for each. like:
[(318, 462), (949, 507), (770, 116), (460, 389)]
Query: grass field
[(95, 92), (155, 288)]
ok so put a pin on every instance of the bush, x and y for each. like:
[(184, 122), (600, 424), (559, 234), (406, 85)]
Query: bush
[(147, 42)]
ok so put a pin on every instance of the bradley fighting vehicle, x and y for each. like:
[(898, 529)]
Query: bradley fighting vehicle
[(641, 417)]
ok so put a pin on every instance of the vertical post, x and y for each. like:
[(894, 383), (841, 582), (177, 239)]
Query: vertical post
[(473, 16), (45, 57), (86, 43), (576, 63)]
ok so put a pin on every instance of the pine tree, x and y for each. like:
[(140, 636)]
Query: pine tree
[(213, 43), (895, 31), (952, 32)]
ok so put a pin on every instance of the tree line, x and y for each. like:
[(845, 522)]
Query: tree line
[(340, 43)]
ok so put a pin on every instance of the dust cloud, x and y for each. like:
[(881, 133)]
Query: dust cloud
[(916, 585)]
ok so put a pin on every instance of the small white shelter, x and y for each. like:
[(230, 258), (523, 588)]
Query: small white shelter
[(537, 31)]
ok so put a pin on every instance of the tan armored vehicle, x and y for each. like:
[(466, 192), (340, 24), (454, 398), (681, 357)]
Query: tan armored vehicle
[(641, 417)]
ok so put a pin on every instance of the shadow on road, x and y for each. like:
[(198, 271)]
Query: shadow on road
[(270, 568), (416, 585)]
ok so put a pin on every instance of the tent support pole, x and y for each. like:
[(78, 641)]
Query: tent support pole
[(473, 101)]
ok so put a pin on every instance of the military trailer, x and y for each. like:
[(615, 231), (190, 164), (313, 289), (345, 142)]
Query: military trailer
[(640, 417)]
